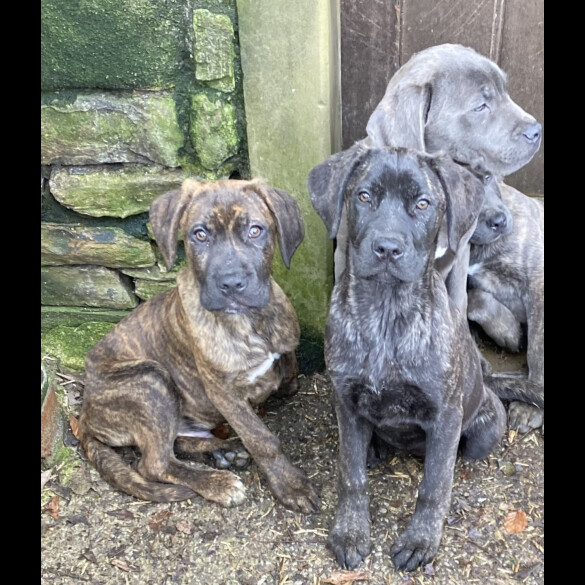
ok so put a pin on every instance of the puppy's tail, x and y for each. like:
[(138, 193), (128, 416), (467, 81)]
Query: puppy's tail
[(515, 386), (121, 476)]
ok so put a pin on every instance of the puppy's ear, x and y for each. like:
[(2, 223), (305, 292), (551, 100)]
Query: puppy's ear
[(287, 216), (327, 183), (165, 215), (400, 117), (464, 193)]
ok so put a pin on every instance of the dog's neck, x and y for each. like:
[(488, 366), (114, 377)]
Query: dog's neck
[(403, 311)]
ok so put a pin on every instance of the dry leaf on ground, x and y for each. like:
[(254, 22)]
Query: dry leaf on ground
[(53, 506), (345, 577), (515, 522)]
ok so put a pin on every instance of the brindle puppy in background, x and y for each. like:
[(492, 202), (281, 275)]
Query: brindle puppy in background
[(403, 364), (205, 352)]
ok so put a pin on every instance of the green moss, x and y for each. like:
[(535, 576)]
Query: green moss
[(70, 344), (112, 44), (213, 131)]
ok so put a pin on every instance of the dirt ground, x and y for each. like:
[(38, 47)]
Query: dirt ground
[(494, 534)]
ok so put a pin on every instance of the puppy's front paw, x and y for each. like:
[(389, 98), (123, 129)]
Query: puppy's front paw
[(350, 542), (225, 488), (524, 417), (293, 489), (414, 548), (237, 458)]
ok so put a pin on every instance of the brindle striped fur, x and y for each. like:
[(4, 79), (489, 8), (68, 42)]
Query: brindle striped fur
[(205, 352)]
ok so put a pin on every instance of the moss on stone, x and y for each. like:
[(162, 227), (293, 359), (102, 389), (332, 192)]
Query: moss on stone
[(112, 44), (213, 131), (214, 49), (70, 344)]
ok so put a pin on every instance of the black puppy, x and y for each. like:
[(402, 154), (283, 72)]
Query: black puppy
[(400, 355)]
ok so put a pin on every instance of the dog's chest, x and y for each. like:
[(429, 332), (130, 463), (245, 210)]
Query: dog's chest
[(390, 402)]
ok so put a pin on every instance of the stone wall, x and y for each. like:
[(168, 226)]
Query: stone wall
[(135, 96)]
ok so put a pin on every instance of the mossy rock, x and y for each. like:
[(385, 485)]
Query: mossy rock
[(70, 344)]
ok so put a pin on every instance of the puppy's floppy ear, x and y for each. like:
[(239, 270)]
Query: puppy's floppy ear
[(165, 215), (327, 183), (464, 193), (287, 216), (400, 117)]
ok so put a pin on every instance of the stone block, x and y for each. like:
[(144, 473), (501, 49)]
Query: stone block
[(214, 49), (85, 286), (111, 128), (70, 344), (112, 191), (112, 44), (53, 316), (104, 246), (213, 131)]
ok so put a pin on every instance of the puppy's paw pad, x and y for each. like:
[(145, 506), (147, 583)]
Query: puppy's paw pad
[(226, 459), (524, 417)]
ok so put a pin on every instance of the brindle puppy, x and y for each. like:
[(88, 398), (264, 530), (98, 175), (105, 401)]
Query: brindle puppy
[(403, 364), (205, 352)]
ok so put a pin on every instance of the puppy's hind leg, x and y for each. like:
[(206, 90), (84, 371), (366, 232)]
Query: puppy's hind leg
[(495, 319), (485, 431)]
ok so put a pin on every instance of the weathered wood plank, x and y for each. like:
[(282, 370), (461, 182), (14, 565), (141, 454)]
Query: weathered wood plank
[(522, 57), (369, 57)]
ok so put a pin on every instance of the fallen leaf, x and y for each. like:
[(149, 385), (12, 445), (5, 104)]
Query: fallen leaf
[(124, 565), (345, 577), (46, 476), (121, 513), (515, 521), (183, 526), (159, 519), (74, 424), (53, 506), (90, 556)]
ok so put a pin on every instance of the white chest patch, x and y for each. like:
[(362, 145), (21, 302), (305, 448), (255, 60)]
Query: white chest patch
[(474, 268), (440, 251), (260, 370)]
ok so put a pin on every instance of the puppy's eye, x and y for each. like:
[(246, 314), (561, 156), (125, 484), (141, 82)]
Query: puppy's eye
[(481, 108), (200, 235), (364, 197), (422, 204), (255, 231)]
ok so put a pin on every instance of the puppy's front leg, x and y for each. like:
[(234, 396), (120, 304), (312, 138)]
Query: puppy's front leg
[(350, 536), (288, 483), (419, 543)]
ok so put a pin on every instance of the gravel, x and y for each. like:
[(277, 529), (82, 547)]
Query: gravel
[(494, 534)]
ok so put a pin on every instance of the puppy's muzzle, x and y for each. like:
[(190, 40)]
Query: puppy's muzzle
[(533, 133), (232, 284), (388, 249)]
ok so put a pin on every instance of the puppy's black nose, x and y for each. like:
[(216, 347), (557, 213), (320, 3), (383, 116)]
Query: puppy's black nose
[(232, 283), (532, 132), (497, 222), (387, 248)]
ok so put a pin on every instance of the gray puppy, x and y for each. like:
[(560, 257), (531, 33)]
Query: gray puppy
[(506, 285), (403, 364), (449, 98)]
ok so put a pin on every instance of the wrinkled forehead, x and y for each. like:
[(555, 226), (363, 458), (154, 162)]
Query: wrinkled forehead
[(394, 169), (225, 206), (484, 79)]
